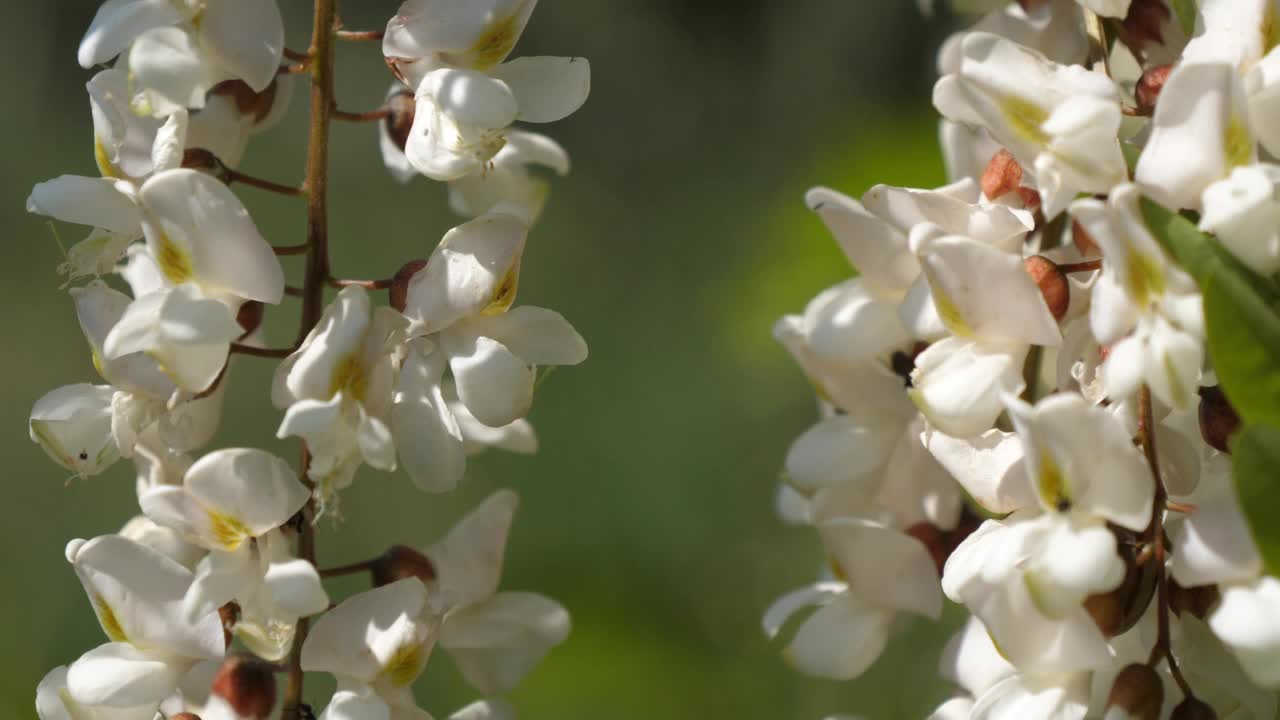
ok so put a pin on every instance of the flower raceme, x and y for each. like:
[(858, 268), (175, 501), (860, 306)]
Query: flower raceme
[(203, 597), (1015, 389)]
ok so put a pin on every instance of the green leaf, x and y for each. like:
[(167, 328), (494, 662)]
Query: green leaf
[(1242, 324), (1186, 12), (1200, 254), (1244, 342), (1255, 456), (1132, 153)]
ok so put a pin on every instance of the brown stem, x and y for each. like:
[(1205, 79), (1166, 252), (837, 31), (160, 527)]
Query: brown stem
[(1087, 266), (291, 249), (351, 569), (358, 117), (294, 291), (359, 35), (239, 349), (316, 273), (1155, 535), (293, 69), (296, 55), (235, 176)]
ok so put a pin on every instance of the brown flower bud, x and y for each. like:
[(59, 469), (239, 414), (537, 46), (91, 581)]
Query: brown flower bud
[(1193, 709), (202, 160), (1139, 691), (934, 540), (903, 363), (1197, 601), (248, 102), (248, 685), (1119, 610), (230, 615), (1218, 420), (249, 317), (1147, 92), (184, 716), (1144, 24), (399, 291), (1052, 283), (1083, 241), (400, 562), (1002, 176), (399, 121)]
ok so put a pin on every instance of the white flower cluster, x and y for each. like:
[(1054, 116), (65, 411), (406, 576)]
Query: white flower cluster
[(205, 596), (1018, 409)]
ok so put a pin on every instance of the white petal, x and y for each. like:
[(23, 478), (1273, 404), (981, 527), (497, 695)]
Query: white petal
[(468, 561), (428, 439), (199, 230), (256, 489), (485, 710), (958, 384), (171, 71), (536, 335), (364, 705), (86, 201), (494, 384), (343, 640), (73, 425), (841, 640), (496, 643), (220, 578), (988, 466), (886, 568), (546, 88), (838, 450), (878, 250), (118, 22), (1246, 621), (296, 588), (246, 37), (120, 675)]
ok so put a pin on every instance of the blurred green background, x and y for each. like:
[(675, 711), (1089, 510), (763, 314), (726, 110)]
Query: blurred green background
[(675, 243)]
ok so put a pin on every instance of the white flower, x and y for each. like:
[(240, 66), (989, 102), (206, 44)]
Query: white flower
[(73, 425), (881, 571), (1246, 621), (1059, 121), (1145, 307), (176, 51), (337, 389), (508, 185), (164, 540), (452, 54), (231, 503), (375, 643), (495, 638), (465, 294), (1054, 28), (137, 595), (1242, 211), (1213, 544)]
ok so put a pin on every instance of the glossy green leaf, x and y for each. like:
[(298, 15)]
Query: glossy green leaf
[(1256, 464), (1244, 343)]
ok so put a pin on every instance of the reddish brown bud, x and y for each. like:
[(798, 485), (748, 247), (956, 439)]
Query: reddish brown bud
[(1002, 176), (399, 120), (230, 615), (903, 363), (934, 540), (1119, 610), (201, 159), (248, 685), (253, 104), (1144, 24), (1149, 86), (1052, 283), (1218, 420), (1197, 601), (1139, 691), (1029, 5), (399, 291), (1193, 709), (400, 562), (184, 716), (1083, 241), (249, 317)]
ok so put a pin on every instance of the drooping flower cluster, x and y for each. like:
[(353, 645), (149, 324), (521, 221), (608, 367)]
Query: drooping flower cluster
[(1022, 390), (201, 596)]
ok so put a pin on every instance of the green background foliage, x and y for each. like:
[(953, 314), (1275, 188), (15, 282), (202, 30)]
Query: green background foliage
[(677, 241)]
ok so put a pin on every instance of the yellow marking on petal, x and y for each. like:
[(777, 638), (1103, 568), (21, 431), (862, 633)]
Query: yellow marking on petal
[(349, 377), (405, 665), (174, 261), (50, 444), (107, 618), (1052, 484), (98, 363), (950, 313), (1025, 118), (1237, 143), (1270, 32), (1144, 278), (1039, 594), (228, 531), (1181, 397), (105, 166), (495, 43), (505, 296)]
